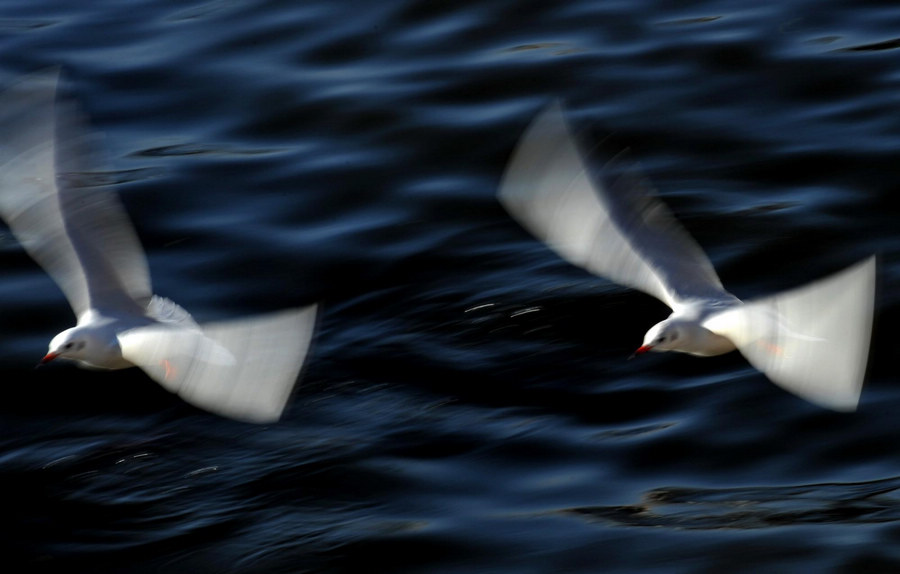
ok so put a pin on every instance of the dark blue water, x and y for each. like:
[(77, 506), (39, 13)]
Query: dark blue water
[(467, 406)]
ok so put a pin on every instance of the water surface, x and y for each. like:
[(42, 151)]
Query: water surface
[(467, 406)]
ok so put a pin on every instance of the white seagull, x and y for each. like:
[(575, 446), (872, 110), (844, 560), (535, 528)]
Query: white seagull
[(812, 341), (77, 230)]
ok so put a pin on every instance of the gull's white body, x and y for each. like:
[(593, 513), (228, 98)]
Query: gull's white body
[(812, 341), (77, 230)]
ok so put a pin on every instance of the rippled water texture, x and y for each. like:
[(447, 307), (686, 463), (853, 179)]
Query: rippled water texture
[(467, 405)]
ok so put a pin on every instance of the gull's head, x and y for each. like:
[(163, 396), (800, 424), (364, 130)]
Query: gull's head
[(664, 336), (70, 344)]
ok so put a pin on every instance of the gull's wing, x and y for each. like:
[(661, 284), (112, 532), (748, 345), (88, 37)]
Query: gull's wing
[(243, 369), (621, 232), (52, 201), (812, 341)]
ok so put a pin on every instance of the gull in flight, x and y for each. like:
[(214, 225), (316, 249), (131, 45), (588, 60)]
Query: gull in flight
[(78, 231), (812, 341)]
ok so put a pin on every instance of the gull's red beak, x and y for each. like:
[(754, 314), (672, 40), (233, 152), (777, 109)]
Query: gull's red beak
[(640, 351), (49, 357)]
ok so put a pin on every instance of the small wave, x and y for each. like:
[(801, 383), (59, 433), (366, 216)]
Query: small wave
[(746, 508)]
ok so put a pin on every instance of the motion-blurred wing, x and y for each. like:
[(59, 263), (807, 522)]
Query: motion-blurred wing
[(621, 232), (243, 369), (51, 200), (812, 341)]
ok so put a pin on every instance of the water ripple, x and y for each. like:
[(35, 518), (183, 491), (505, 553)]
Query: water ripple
[(747, 508)]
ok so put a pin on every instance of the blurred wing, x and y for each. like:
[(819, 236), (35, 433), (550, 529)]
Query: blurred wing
[(77, 231), (812, 341), (243, 369), (623, 232)]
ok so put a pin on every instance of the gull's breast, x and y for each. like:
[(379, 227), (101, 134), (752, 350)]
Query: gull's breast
[(705, 343)]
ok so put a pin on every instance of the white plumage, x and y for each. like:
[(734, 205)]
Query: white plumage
[(77, 230), (812, 341)]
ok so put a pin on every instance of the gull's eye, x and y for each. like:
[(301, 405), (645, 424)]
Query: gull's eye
[(67, 346)]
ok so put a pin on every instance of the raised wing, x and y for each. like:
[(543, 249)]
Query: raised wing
[(243, 369), (812, 341), (52, 201), (621, 232)]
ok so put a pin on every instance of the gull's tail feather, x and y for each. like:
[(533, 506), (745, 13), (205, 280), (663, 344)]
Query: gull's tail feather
[(812, 341), (243, 369)]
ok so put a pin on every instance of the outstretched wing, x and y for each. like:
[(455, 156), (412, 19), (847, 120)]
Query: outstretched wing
[(812, 341), (243, 369), (52, 201), (621, 232)]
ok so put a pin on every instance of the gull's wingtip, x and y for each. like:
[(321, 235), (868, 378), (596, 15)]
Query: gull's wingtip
[(554, 108), (26, 109), (265, 354), (534, 157), (272, 351), (842, 399), (812, 341), (845, 406), (50, 75), (42, 80)]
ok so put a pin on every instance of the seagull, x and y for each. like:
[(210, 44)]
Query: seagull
[(77, 230), (812, 341)]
